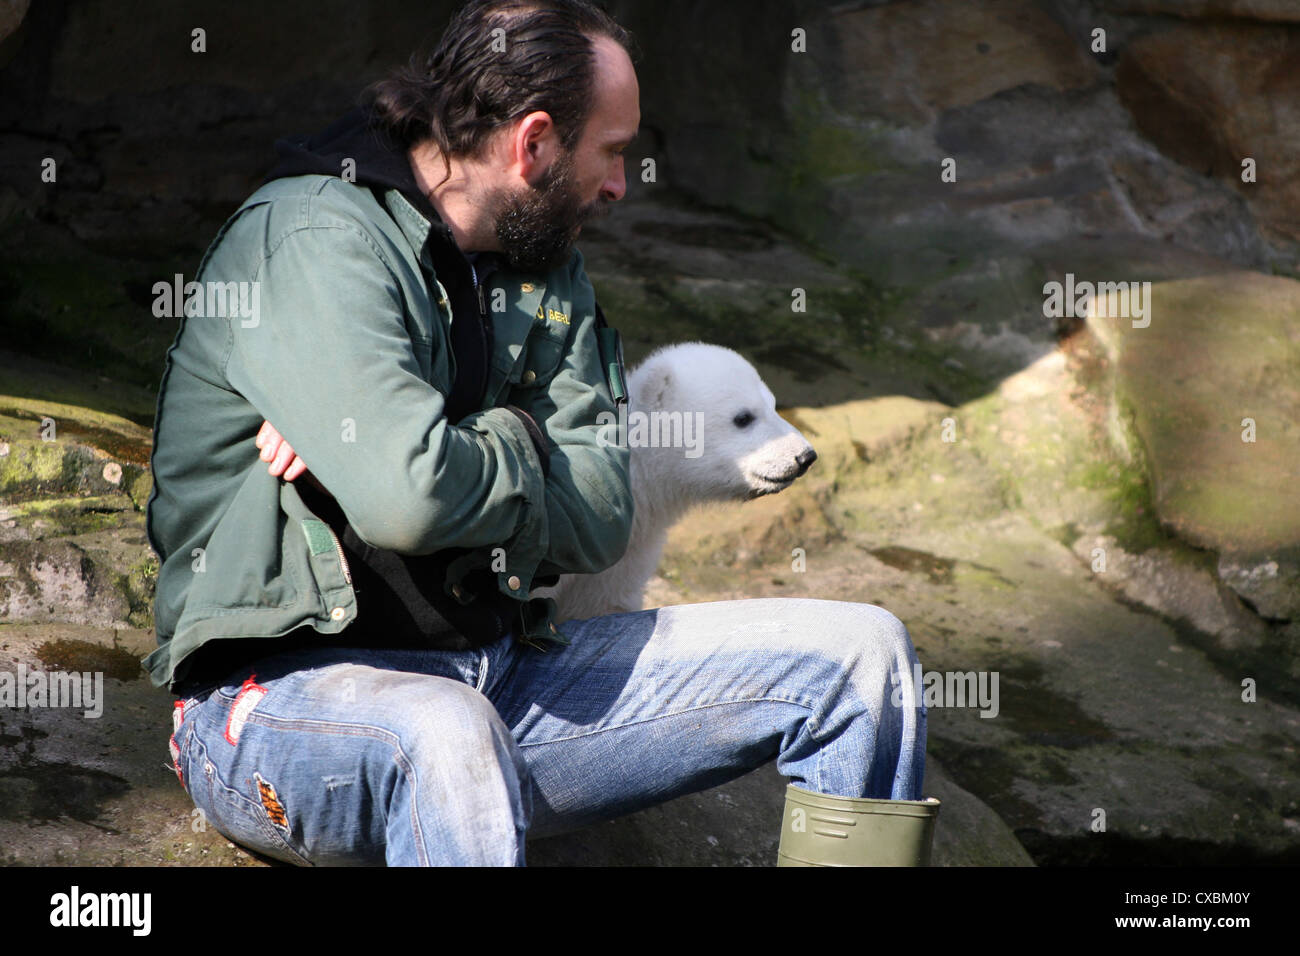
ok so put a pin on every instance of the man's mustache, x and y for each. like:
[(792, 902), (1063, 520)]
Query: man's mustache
[(596, 209)]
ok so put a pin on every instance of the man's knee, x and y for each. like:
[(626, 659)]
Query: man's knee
[(467, 783), (449, 732), (876, 650), (434, 714), (859, 633), (888, 632)]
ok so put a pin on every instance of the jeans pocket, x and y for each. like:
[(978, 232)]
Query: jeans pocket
[(245, 819)]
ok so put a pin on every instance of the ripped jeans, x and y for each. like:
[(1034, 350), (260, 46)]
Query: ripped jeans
[(415, 757)]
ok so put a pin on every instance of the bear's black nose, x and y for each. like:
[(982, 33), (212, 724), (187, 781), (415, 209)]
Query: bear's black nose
[(805, 459)]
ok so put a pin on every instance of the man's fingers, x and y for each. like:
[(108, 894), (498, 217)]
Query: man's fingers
[(283, 456), (268, 439), (283, 462)]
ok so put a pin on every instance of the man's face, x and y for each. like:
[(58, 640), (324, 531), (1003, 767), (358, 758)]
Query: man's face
[(537, 228)]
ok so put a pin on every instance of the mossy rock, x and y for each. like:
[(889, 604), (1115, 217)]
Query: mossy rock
[(1212, 389)]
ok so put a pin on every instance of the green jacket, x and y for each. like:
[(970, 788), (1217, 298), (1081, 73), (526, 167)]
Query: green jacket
[(343, 344)]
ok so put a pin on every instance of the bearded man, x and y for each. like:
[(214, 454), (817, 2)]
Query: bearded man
[(357, 488)]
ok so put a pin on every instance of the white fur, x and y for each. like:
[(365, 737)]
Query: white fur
[(736, 463)]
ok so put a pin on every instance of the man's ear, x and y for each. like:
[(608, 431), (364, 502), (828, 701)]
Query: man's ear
[(534, 145)]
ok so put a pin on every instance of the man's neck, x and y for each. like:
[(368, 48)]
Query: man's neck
[(454, 197)]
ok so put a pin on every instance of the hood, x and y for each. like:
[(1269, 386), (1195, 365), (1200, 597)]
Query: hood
[(379, 162)]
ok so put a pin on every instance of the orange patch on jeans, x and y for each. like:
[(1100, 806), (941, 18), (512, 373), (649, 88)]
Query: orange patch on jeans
[(274, 809)]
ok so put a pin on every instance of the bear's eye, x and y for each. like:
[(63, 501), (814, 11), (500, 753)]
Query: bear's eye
[(743, 419)]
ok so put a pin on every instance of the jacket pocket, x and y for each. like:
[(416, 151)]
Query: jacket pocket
[(539, 361), (327, 564)]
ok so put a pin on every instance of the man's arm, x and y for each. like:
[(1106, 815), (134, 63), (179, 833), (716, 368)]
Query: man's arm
[(331, 364), (589, 505)]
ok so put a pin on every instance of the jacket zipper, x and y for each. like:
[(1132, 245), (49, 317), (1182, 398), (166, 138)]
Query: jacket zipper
[(338, 546), (482, 324)]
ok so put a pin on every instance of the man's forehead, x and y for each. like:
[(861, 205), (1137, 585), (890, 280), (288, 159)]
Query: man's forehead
[(616, 112)]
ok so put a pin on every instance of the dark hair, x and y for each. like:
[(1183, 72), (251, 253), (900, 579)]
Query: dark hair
[(470, 86)]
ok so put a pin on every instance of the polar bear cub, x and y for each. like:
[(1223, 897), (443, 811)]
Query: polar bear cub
[(702, 427)]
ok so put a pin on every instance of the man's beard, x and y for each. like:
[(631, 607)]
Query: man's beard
[(537, 230)]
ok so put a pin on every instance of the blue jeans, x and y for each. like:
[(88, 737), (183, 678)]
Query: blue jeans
[(416, 757)]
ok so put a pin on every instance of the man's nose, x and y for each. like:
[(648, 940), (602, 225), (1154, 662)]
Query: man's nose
[(615, 187)]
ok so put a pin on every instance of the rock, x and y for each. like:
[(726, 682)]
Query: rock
[(95, 791), (968, 831), (909, 62), (1277, 11), (739, 824), (1181, 590), (11, 16), (1270, 583), (1212, 95), (1205, 402), (51, 581), (1212, 388), (73, 485)]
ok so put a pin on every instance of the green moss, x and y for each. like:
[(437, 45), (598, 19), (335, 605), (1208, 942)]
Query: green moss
[(824, 145), (73, 424), (73, 516), (1135, 524), (138, 585), (138, 483)]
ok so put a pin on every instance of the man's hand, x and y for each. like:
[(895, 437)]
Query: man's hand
[(284, 463)]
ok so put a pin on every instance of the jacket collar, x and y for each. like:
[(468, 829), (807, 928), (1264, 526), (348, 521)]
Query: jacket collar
[(375, 161)]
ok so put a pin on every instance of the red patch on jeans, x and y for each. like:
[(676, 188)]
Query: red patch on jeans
[(249, 696), (176, 752), (178, 718)]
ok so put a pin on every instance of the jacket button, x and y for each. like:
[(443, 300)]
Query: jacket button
[(337, 614), (457, 592), (526, 287), (529, 377), (513, 582)]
